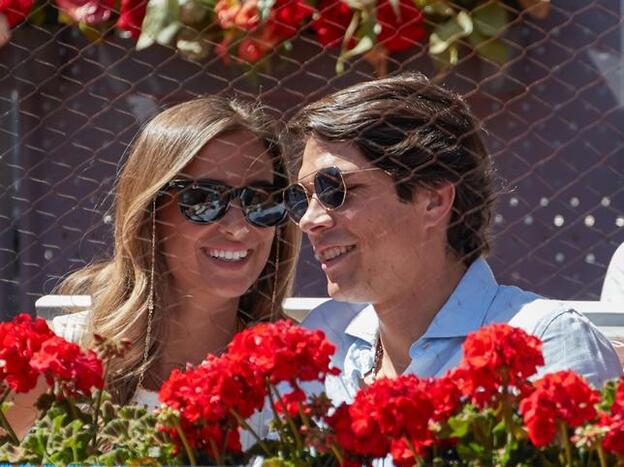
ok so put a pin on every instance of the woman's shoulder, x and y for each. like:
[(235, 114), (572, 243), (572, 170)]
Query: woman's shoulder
[(71, 326)]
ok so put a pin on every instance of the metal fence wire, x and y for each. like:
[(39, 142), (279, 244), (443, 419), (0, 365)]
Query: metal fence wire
[(549, 94)]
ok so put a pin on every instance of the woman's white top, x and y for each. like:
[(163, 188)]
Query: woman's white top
[(73, 326)]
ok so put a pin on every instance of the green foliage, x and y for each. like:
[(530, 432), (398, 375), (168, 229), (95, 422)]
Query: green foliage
[(161, 23), (66, 434)]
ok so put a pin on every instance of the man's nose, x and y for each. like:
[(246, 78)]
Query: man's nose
[(316, 218)]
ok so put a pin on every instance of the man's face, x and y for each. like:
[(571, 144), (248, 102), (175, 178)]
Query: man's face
[(374, 247)]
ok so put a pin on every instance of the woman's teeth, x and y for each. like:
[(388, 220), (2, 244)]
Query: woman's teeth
[(228, 255), (332, 253)]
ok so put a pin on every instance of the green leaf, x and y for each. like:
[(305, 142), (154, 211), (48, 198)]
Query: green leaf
[(5, 406), (438, 8), (490, 19), (161, 23), (363, 46), (64, 18), (505, 453), (90, 32), (459, 426), (607, 396), (37, 15), (449, 32), (265, 7), (275, 462), (194, 13), (45, 401), (489, 48), (442, 62), (468, 4)]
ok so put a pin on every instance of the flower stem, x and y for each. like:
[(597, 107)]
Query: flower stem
[(218, 456), (242, 422), (508, 418), (187, 448), (291, 423), (563, 435), (72, 407), (337, 453), (601, 455), (4, 422), (417, 459), (98, 404), (278, 420)]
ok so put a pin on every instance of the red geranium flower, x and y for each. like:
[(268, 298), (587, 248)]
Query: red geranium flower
[(497, 356), (15, 11), (614, 438), (287, 16), (283, 352), (66, 362), (331, 25), (291, 402), (232, 13), (131, 15), (403, 31), (387, 417), (563, 396), (250, 50), (617, 408), (20, 339), (209, 398), (226, 11), (446, 397), (87, 11)]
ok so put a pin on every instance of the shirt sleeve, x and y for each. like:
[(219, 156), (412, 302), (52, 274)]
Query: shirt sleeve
[(572, 342)]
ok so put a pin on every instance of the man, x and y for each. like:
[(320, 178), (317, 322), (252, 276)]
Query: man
[(396, 196)]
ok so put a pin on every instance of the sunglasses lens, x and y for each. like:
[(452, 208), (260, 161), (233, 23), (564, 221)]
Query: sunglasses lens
[(329, 187), (202, 204), (263, 208), (296, 202)]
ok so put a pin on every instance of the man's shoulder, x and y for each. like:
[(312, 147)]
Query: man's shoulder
[(538, 315), (333, 317), (530, 311)]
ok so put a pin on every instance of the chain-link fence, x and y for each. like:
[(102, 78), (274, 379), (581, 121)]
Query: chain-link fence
[(553, 112)]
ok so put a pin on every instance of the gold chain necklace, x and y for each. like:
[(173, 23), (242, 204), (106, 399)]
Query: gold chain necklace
[(371, 375)]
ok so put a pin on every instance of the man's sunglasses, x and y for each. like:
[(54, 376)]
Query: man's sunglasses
[(330, 189), (207, 201)]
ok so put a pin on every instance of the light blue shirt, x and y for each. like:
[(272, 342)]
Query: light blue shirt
[(570, 341)]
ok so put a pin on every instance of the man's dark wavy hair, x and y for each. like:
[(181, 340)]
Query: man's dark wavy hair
[(421, 134)]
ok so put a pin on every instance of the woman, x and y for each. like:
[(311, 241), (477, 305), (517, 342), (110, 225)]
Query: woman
[(201, 246)]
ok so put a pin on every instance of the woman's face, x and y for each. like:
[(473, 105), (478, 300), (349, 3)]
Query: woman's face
[(222, 259)]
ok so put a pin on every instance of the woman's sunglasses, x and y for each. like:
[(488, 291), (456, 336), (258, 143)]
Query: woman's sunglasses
[(330, 189), (207, 201)]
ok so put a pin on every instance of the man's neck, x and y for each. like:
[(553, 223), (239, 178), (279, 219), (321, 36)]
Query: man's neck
[(405, 318)]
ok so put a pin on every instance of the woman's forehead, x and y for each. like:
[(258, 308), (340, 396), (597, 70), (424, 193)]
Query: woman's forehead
[(235, 158)]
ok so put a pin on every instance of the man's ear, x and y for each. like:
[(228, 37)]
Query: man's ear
[(439, 203)]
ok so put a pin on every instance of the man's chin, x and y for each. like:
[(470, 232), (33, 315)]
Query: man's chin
[(343, 292)]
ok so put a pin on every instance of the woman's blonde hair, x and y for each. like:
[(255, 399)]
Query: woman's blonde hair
[(120, 287)]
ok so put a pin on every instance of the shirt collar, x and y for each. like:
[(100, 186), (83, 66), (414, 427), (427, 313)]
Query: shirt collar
[(365, 325), (463, 312), (467, 307)]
